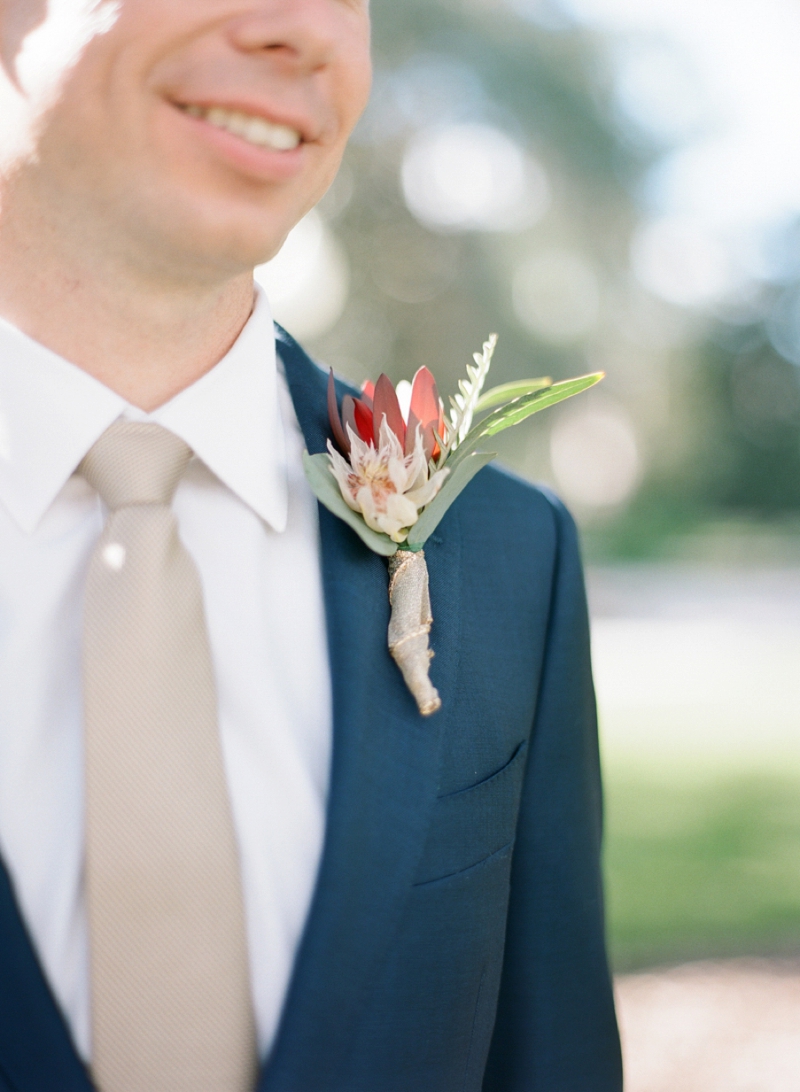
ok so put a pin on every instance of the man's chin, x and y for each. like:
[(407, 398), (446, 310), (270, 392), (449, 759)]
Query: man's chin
[(212, 241)]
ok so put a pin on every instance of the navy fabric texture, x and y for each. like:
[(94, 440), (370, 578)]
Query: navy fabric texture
[(455, 941), (36, 1052)]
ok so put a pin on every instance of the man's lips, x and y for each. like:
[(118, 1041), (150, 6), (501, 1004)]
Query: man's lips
[(252, 128), (253, 144)]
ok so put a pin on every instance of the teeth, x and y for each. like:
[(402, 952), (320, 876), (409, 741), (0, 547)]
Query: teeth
[(254, 130), (284, 138)]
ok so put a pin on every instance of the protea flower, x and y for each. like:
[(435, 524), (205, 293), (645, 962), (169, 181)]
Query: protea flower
[(386, 476), (387, 473), (364, 416)]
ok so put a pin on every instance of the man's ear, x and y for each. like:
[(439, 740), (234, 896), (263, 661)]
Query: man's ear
[(17, 19)]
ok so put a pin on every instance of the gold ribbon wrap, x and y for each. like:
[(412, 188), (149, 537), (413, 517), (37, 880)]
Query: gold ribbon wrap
[(410, 626)]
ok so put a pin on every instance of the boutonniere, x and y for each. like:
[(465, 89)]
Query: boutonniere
[(395, 464)]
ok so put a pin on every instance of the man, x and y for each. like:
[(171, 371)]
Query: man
[(235, 856)]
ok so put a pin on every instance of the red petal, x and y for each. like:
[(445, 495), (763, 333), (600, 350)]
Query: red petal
[(385, 404), (339, 434), (425, 410), (349, 414), (429, 445), (411, 434), (425, 403), (368, 392), (364, 424), (439, 431)]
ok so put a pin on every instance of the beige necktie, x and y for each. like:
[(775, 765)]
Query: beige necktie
[(171, 1004)]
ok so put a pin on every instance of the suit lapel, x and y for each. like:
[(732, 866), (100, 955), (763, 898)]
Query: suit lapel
[(36, 1052), (383, 783)]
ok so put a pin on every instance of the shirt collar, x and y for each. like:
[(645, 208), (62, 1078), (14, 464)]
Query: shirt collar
[(51, 412)]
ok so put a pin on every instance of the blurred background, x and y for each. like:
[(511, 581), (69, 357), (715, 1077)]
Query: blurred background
[(615, 184)]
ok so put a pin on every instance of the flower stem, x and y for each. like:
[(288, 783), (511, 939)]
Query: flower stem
[(410, 626)]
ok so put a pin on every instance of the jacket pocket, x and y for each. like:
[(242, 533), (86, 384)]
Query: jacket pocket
[(474, 823)]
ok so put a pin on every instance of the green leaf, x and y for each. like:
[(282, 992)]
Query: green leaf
[(518, 410), (515, 412), (497, 396), (326, 490), (456, 482)]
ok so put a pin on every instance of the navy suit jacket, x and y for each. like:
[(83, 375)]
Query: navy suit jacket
[(455, 939)]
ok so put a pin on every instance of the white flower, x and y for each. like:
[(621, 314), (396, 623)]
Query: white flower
[(387, 487)]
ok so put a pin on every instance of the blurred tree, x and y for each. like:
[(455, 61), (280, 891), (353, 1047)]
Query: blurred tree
[(712, 407), (747, 457), (426, 296)]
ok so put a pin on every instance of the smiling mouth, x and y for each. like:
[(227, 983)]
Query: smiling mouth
[(255, 130)]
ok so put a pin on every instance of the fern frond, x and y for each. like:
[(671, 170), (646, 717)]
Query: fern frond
[(469, 391)]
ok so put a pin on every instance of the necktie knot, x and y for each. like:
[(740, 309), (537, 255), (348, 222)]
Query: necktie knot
[(135, 463)]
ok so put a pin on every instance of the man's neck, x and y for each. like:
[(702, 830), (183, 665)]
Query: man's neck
[(147, 338)]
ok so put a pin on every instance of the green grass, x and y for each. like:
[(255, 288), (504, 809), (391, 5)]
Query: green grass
[(701, 867)]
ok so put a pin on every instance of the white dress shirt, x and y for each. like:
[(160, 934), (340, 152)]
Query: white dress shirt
[(249, 520)]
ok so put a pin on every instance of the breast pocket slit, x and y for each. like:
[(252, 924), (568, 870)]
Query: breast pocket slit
[(473, 824)]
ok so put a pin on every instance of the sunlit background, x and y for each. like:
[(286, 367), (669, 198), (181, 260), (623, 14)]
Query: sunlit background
[(615, 184)]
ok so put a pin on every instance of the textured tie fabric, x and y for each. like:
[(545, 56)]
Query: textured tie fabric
[(171, 1002)]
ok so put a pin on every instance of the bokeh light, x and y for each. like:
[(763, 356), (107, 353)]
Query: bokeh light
[(595, 455), (556, 295), (307, 282), (681, 261), (658, 92), (472, 177)]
